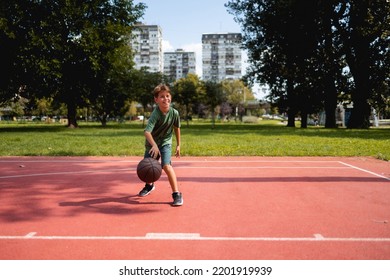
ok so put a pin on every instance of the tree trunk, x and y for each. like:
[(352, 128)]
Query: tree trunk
[(188, 114), (290, 118), (360, 115), (72, 114), (358, 60), (330, 102), (212, 118), (103, 119), (330, 69), (292, 109), (303, 119)]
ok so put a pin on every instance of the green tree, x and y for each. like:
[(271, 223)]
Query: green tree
[(111, 83), (330, 61), (363, 28), (67, 48), (214, 96), (188, 91), (236, 93), (279, 37), (303, 49), (17, 66), (43, 106), (142, 86)]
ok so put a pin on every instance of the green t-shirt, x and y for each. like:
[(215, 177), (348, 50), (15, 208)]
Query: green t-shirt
[(161, 126)]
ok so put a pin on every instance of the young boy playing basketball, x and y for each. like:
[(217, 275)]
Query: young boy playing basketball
[(163, 121)]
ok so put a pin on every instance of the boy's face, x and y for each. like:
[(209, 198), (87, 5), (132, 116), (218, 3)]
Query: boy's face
[(163, 100)]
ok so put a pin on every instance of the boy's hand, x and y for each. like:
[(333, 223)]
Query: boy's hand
[(154, 152), (177, 153)]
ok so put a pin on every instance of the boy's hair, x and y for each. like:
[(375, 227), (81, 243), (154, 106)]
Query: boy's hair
[(159, 88)]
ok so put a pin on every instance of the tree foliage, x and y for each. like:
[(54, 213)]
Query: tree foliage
[(142, 86), (214, 97), (74, 51), (188, 91), (311, 52)]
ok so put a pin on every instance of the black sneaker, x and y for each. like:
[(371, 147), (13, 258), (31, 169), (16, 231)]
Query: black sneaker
[(146, 190), (177, 199)]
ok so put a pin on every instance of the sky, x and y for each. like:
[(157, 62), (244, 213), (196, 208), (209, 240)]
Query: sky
[(184, 21)]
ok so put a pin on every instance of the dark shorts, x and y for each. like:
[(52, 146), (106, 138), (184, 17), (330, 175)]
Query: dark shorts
[(166, 153)]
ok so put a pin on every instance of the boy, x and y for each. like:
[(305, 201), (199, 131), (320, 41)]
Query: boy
[(163, 121)]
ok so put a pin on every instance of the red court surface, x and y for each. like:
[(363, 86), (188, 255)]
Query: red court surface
[(235, 208)]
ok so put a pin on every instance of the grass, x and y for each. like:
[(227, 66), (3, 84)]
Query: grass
[(267, 138)]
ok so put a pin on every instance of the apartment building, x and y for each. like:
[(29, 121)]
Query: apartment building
[(221, 56), (179, 64), (147, 45)]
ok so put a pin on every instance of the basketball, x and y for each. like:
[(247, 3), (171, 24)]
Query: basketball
[(149, 170)]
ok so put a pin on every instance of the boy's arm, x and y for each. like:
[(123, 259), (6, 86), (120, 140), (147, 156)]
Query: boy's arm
[(154, 151), (177, 134)]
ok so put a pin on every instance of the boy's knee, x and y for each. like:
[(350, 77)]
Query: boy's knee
[(167, 168)]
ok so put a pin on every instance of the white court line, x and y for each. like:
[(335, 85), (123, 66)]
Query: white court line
[(170, 236), (66, 173), (189, 167), (256, 161), (364, 170), (261, 167), (345, 166), (136, 160), (63, 161), (176, 167), (197, 237)]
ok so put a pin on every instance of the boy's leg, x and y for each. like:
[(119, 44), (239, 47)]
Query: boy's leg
[(149, 187), (168, 169), (171, 177)]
